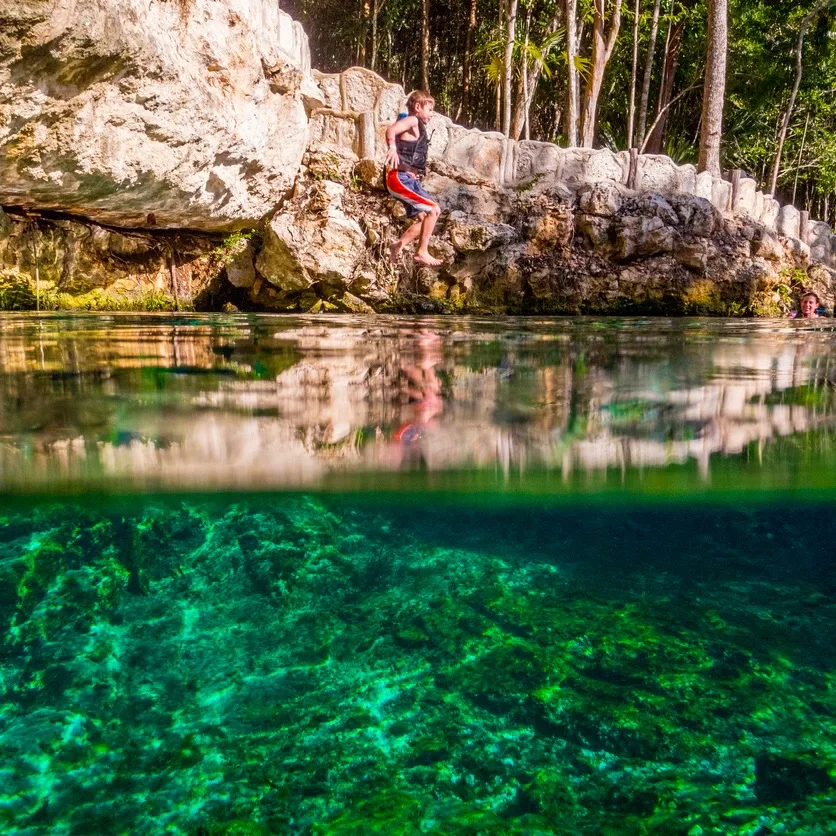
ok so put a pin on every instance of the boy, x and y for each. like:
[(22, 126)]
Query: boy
[(406, 163)]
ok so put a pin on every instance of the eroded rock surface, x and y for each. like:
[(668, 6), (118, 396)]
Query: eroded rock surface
[(191, 112)]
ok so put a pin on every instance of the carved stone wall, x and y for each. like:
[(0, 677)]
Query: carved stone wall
[(360, 104)]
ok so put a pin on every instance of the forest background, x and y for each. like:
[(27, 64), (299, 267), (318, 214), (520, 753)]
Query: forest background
[(635, 77)]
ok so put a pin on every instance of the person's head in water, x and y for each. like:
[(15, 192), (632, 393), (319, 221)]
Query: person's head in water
[(809, 304)]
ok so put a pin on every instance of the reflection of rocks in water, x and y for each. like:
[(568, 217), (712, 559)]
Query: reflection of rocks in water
[(267, 402)]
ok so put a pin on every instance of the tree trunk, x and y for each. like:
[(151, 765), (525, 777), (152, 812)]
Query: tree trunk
[(799, 69), (526, 94), (648, 71), (425, 45), (508, 65), (570, 14), (631, 111), (714, 87), (467, 63), (601, 53), (672, 53), (376, 7), (522, 107)]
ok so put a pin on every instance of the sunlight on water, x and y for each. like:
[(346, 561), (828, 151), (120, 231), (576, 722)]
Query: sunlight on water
[(268, 575)]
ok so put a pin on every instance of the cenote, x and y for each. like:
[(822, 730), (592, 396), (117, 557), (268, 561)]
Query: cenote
[(309, 575)]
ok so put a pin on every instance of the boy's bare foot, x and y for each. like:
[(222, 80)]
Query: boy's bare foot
[(427, 260), (395, 252)]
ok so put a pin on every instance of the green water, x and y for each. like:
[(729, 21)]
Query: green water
[(309, 575)]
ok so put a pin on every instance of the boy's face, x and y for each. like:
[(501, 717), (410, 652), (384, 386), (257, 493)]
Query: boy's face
[(424, 111)]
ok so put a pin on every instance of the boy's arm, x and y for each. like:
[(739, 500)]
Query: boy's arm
[(392, 132)]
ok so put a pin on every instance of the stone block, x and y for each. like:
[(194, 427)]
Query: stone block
[(769, 211), (704, 185), (329, 84), (360, 88), (746, 196), (603, 165), (463, 146), (688, 179), (657, 173), (720, 193), (439, 135), (329, 128), (535, 158), (573, 171), (787, 221), (820, 235), (390, 100), (488, 157)]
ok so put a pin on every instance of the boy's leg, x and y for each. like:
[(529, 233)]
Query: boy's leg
[(410, 235), (422, 255)]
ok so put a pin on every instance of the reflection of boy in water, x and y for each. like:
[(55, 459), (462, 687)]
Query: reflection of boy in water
[(423, 391)]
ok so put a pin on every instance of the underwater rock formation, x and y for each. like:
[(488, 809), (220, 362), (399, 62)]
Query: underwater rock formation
[(312, 665)]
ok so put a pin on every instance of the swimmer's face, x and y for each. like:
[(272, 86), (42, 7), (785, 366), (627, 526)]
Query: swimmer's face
[(808, 307)]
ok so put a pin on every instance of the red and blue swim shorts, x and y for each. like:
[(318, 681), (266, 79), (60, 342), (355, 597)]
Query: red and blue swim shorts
[(407, 188)]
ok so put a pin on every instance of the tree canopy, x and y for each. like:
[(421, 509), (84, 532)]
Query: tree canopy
[(459, 48)]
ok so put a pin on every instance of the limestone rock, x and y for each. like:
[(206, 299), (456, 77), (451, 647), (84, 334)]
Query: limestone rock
[(766, 245), (369, 172), (240, 270), (595, 230), (695, 214), (551, 228), (469, 233), (642, 236), (694, 256), (600, 199), (305, 247), (352, 304), (194, 112)]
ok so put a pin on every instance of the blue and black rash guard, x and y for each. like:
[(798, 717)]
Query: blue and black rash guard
[(413, 152)]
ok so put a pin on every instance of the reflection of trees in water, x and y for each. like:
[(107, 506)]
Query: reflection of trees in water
[(252, 404)]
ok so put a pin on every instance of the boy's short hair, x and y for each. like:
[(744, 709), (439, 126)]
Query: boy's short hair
[(417, 98)]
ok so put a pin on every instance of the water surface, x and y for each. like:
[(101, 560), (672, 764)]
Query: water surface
[(335, 575)]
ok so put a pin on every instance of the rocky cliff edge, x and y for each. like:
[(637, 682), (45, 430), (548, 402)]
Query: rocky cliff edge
[(186, 149)]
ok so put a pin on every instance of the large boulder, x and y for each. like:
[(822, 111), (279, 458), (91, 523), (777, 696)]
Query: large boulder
[(147, 112), (313, 243)]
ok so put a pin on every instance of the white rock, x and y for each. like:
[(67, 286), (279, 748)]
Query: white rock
[(746, 196), (302, 249), (820, 235), (788, 221), (657, 173), (163, 108)]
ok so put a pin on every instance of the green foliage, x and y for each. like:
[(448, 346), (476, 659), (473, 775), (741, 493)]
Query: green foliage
[(18, 292), (233, 245), (761, 70)]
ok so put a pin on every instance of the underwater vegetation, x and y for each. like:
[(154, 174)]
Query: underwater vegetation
[(326, 665)]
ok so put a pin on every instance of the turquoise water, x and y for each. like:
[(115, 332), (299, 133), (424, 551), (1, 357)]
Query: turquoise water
[(310, 575)]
